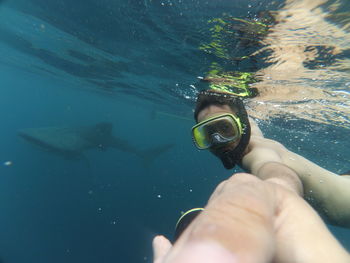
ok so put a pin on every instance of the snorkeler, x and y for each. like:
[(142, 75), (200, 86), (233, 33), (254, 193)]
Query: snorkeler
[(223, 128), (262, 218)]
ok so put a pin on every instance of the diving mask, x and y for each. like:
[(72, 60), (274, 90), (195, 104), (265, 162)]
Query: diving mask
[(217, 131)]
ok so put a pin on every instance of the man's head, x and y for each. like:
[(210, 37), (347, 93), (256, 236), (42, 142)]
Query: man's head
[(223, 126)]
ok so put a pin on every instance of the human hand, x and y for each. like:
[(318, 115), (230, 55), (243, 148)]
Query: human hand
[(251, 220)]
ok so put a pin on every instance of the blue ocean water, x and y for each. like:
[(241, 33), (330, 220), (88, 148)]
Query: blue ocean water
[(130, 63)]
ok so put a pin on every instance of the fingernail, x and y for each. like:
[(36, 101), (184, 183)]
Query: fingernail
[(205, 252)]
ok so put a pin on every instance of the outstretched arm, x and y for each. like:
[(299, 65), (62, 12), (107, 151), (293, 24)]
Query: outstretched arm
[(328, 192)]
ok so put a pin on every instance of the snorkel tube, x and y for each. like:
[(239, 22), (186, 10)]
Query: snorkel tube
[(206, 98)]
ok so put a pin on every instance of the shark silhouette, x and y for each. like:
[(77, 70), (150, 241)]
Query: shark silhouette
[(71, 142)]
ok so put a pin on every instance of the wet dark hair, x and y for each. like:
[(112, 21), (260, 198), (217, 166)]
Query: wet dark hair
[(209, 98)]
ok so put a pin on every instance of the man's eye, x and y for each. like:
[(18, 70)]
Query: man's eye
[(224, 126), (209, 129)]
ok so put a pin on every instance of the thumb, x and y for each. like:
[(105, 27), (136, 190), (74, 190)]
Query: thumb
[(161, 246)]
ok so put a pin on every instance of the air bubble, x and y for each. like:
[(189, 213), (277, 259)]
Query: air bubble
[(8, 163)]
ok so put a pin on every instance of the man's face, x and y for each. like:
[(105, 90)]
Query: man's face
[(214, 110)]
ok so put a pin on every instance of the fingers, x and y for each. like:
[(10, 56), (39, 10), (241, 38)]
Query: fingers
[(206, 251), (236, 226), (161, 247), (301, 235)]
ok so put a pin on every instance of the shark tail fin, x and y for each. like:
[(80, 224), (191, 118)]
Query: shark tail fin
[(149, 155)]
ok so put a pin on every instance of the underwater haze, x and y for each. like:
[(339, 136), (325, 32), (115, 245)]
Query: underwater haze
[(135, 65)]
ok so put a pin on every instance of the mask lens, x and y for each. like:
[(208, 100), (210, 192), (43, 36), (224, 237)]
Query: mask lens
[(221, 129), (224, 126), (201, 139)]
